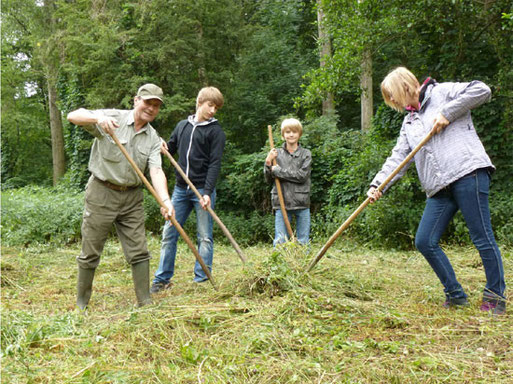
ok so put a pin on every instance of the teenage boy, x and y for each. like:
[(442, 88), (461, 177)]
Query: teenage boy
[(199, 142), (293, 170), (113, 194)]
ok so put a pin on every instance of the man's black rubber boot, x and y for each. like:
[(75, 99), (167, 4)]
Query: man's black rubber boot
[(84, 286), (141, 277)]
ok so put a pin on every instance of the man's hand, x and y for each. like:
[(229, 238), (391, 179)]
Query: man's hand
[(169, 211), (440, 123), (205, 202), (374, 194), (108, 124), (163, 146)]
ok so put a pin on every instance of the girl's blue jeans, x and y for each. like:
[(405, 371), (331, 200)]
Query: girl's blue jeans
[(184, 201), (470, 195), (302, 226)]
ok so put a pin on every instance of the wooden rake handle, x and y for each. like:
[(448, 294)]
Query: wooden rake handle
[(209, 208), (161, 203), (367, 201), (278, 189)]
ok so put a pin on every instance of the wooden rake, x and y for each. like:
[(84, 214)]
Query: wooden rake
[(278, 189), (209, 208), (367, 201)]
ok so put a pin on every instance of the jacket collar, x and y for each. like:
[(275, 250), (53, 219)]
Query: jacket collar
[(425, 91), (130, 120), (424, 94), (206, 122), (295, 153)]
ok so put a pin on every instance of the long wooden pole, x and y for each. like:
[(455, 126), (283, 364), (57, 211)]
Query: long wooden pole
[(161, 203), (209, 208), (367, 201), (278, 189)]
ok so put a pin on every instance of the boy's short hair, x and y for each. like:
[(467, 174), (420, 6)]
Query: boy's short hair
[(396, 85), (293, 124), (210, 94)]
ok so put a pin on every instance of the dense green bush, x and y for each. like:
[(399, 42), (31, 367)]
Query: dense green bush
[(35, 215), (501, 206), (344, 163), (41, 215)]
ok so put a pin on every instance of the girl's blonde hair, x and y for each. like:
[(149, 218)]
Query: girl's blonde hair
[(210, 94), (293, 124), (397, 86)]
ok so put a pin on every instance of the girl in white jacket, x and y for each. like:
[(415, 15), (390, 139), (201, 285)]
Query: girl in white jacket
[(454, 170)]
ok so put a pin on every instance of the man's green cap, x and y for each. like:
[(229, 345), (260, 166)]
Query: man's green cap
[(150, 91)]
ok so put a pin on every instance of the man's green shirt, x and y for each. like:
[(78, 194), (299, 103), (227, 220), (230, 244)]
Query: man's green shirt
[(108, 163)]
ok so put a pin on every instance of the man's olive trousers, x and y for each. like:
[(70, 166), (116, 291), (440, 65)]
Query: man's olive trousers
[(104, 207)]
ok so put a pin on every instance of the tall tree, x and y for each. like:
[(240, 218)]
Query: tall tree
[(36, 32), (25, 108), (279, 48), (49, 57), (366, 86), (328, 103), (359, 29)]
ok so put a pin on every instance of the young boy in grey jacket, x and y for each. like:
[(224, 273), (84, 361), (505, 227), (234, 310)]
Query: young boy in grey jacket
[(293, 170)]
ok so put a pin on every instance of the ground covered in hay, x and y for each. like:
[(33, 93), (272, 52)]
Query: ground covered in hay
[(361, 316)]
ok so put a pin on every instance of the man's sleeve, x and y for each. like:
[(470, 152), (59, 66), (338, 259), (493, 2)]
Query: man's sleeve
[(154, 159)]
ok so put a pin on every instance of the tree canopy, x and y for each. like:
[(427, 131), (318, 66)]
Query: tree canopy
[(264, 56)]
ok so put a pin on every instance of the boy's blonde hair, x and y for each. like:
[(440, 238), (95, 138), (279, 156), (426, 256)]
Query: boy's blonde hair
[(396, 86), (293, 124), (210, 94)]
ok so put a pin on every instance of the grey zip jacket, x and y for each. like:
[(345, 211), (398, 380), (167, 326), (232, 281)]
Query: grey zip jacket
[(453, 153), (293, 170)]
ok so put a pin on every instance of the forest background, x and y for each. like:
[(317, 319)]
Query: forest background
[(321, 61)]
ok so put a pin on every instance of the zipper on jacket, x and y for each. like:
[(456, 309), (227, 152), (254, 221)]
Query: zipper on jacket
[(194, 125), (189, 152)]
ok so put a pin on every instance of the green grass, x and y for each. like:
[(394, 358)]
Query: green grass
[(361, 316)]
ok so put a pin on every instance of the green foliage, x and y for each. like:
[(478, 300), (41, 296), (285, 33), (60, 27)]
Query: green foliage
[(247, 229), (277, 52), (280, 271), (354, 26), (501, 206), (153, 220), (26, 146), (258, 53), (35, 215), (243, 182)]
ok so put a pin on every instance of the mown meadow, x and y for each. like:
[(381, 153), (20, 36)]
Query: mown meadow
[(361, 316)]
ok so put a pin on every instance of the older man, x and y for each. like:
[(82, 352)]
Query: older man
[(114, 194)]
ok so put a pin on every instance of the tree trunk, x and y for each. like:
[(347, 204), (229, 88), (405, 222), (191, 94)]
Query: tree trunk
[(328, 103), (50, 60), (366, 88), (59, 160), (202, 72)]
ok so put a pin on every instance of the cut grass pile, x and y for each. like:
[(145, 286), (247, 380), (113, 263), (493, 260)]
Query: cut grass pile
[(361, 316)]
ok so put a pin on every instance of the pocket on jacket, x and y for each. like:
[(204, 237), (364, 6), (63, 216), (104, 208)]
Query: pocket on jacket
[(302, 188), (301, 199), (142, 155), (110, 151)]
